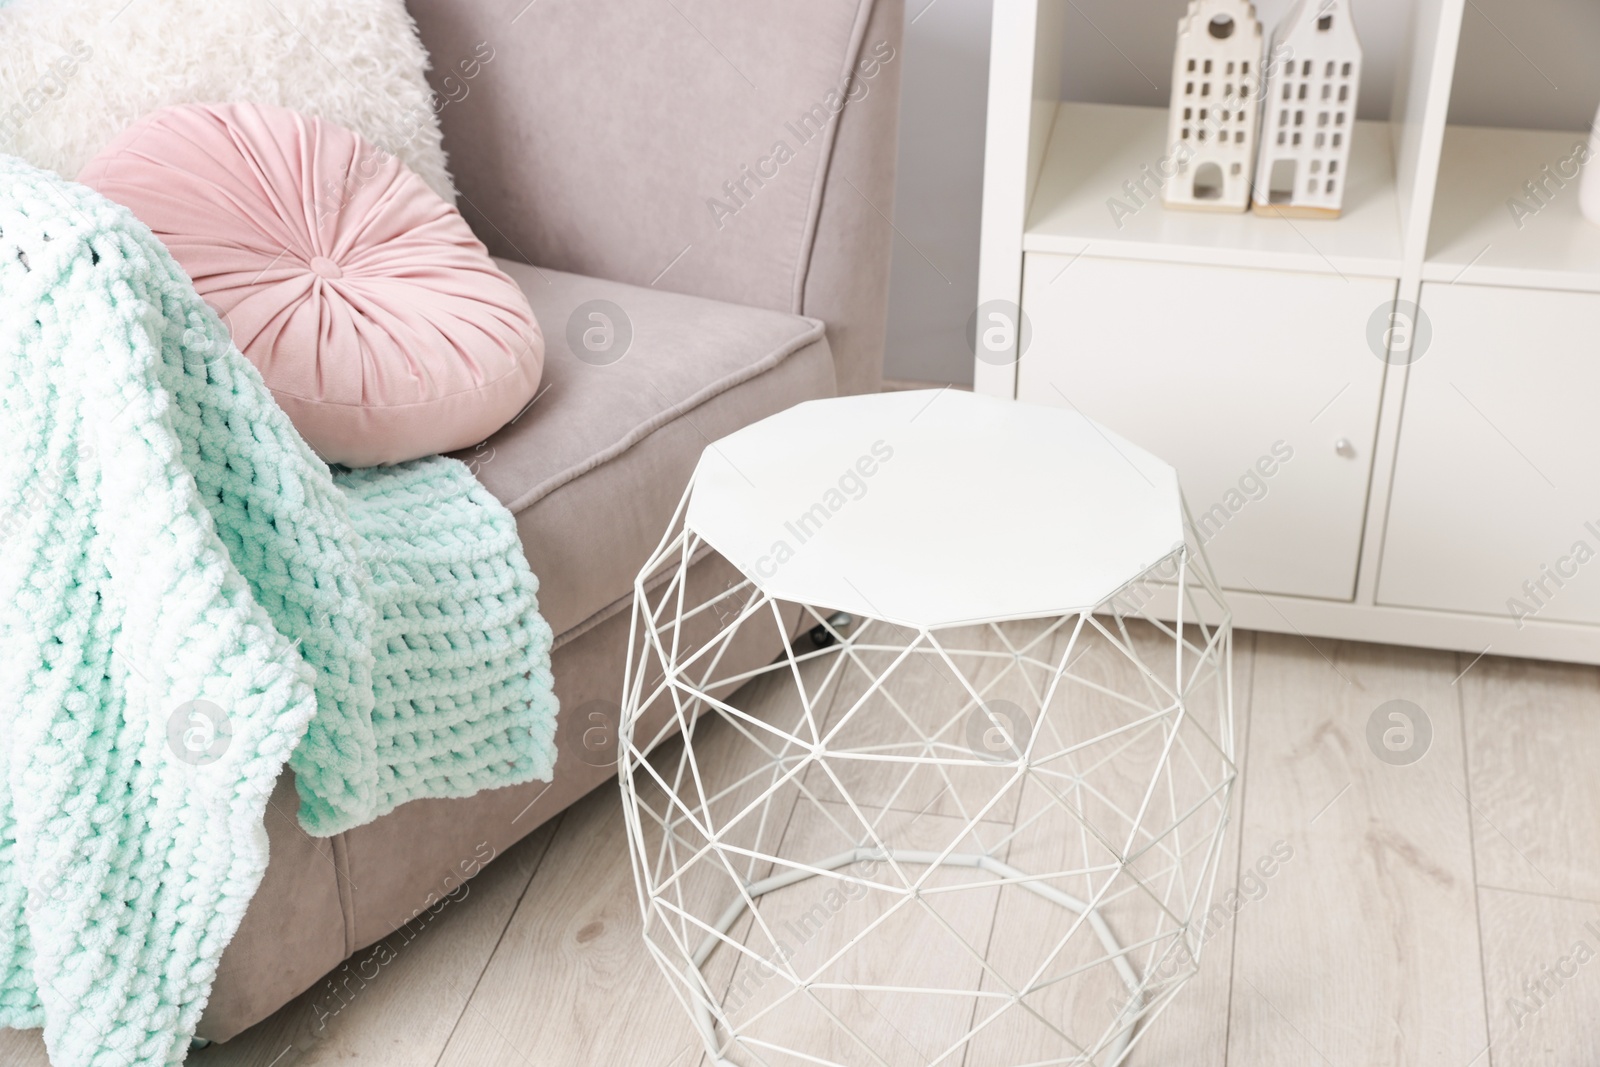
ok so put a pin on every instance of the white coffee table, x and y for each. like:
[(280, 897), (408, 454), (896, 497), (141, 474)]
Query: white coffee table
[(930, 779)]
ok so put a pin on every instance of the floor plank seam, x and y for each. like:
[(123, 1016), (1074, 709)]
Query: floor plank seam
[(1565, 897), (1472, 852), (511, 916), (1241, 754)]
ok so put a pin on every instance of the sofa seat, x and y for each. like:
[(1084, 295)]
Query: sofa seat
[(593, 470)]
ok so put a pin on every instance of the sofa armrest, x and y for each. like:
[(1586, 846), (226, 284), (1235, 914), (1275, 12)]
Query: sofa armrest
[(741, 150)]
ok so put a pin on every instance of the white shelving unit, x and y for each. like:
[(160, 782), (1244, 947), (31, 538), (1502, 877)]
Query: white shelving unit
[(1426, 495)]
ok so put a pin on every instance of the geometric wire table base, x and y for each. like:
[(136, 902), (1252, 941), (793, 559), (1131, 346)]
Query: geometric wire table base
[(945, 777), (1101, 928)]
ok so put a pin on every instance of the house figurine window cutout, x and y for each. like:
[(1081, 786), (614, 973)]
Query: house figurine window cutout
[(1216, 70), (1309, 112)]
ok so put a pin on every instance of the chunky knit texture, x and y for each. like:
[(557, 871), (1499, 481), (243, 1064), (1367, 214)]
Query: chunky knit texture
[(166, 538)]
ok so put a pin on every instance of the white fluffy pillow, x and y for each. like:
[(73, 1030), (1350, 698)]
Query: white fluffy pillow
[(75, 73)]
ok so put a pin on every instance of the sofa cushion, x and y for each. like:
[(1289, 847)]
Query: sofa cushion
[(770, 174), (375, 316), (594, 468)]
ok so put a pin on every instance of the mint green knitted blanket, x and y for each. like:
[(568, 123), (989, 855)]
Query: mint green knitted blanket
[(189, 598)]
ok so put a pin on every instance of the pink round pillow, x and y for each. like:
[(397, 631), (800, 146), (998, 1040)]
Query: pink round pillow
[(378, 320)]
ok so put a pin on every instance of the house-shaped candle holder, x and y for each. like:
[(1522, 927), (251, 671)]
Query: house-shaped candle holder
[(1212, 124), (1313, 78)]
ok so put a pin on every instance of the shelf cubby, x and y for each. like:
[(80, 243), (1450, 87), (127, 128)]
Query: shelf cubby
[(1478, 237), (1095, 149)]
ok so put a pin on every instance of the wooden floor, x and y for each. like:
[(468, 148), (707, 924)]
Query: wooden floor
[(1445, 912)]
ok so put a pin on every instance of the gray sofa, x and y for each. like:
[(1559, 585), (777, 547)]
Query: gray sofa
[(596, 145)]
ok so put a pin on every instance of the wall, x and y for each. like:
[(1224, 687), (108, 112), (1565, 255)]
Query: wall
[(1522, 63), (938, 190), (1534, 64)]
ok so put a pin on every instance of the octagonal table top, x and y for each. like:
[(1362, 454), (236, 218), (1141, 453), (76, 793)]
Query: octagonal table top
[(934, 508)]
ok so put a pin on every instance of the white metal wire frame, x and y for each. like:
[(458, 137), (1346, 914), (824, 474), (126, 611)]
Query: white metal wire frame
[(704, 833)]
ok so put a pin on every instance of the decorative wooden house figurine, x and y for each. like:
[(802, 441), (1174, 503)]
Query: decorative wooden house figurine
[(1212, 125), (1310, 112)]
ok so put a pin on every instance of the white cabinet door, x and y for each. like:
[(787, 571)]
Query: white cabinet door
[(1497, 480), (1259, 386)]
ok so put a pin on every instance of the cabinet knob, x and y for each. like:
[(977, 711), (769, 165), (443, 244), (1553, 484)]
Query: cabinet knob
[(1344, 448)]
